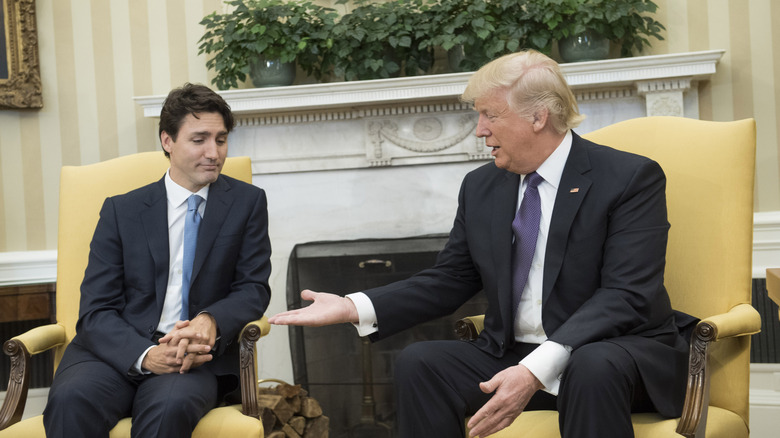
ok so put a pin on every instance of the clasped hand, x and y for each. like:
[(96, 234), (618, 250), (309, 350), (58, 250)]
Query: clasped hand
[(185, 347)]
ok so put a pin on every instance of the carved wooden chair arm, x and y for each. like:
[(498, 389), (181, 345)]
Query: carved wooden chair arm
[(20, 349), (249, 389), (741, 320), (468, 328)]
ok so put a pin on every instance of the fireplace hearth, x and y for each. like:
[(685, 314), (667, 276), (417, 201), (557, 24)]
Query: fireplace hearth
[(350, 376)]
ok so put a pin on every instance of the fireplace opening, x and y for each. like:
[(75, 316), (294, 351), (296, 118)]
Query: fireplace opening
[(350, 376)]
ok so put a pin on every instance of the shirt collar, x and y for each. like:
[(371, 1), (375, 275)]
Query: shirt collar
[(177, 195), (552, 168)]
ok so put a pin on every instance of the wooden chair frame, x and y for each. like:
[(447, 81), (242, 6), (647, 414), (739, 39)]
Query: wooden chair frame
[(21, 348)]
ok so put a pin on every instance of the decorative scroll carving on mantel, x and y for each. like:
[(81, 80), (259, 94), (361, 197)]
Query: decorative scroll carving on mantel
[(420, 120), (424, 139)]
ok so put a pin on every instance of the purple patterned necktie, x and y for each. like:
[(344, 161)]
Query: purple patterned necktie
[(526, 231)]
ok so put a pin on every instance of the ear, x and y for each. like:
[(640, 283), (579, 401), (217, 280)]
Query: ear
[(166, 141), (540, 119)]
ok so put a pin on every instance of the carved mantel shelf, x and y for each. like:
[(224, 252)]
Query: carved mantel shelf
[(420, 120), (581, 76)]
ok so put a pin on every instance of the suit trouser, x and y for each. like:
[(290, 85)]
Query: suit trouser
[(437, 386), (88, 398)]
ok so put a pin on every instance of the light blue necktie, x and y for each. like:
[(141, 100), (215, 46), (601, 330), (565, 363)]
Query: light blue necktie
[(191, 225)]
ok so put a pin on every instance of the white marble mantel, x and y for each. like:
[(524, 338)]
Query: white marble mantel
[(385, 158), (419, 120), (581, 76)]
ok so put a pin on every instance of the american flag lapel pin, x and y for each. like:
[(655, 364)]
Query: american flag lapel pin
[(574, 190)]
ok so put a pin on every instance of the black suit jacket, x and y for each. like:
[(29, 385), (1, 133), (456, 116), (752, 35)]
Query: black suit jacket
[(603, 270), (125, 281)]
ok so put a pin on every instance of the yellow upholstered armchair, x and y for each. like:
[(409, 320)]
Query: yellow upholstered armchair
[(82, 192), (710, 170)]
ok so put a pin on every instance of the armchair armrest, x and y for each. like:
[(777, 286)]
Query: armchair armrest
[(248, 374), (20, 349), (741, 320), (468, 328)]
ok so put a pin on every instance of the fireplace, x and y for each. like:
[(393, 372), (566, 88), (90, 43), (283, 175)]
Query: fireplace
[(350, 376), (385, 158)]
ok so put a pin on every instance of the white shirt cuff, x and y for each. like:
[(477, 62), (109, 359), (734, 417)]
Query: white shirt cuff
[(367, 323), (547, 363), (137, 365)]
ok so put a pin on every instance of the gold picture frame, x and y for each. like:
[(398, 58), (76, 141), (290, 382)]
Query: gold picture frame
[(20, 77)]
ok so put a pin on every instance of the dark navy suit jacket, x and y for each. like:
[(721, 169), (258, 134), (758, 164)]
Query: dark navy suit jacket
[(603, 270), (126, 278)]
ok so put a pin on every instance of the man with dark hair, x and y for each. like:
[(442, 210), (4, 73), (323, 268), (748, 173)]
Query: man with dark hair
[(176, 269), (568, 240)]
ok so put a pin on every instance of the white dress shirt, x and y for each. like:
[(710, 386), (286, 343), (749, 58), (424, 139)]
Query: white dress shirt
[(547, 361), (177, 211)]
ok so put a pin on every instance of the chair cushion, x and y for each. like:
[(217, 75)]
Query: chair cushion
[(544, 424), (227, 421)]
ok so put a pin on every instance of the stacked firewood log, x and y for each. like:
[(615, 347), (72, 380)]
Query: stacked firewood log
[(288, 412)]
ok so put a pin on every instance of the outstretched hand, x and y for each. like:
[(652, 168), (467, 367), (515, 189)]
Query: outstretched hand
[(325, 309), (513, 389)]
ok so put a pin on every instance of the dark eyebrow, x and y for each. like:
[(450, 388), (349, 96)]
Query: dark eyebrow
[(220, 133)]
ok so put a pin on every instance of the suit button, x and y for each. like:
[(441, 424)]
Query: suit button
[(151, 330), (502, 345)]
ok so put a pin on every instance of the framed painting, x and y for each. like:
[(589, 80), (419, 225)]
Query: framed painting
[(20, 77)]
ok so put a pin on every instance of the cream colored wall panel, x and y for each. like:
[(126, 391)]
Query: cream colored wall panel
[(775, 48), (67, 94), (698, 25), (49, 127), (722, 90), (676, 27), (764, 109), (32, 180), (12, 175), (158, 47), (739, 39), (196, 64), (178, 49), (105, 84), (127, 140), (141, 63), (86, 102)]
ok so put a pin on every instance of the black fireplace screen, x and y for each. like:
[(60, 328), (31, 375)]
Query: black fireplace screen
[(352, 379)]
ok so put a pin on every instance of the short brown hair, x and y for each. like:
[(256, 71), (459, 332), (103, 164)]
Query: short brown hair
[(192, 99)]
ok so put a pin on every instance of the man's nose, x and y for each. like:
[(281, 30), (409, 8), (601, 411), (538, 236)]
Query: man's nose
[(210, 150), (482, 130)]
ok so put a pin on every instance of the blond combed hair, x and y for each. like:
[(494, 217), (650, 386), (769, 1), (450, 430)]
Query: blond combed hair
[(534, 82)]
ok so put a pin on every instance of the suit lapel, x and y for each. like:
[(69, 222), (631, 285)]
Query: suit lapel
[(155, 223), (217, 208), (572, 190), (504, 203)]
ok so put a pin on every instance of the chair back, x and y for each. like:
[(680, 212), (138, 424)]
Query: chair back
[(710, 168), (83, 189)]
